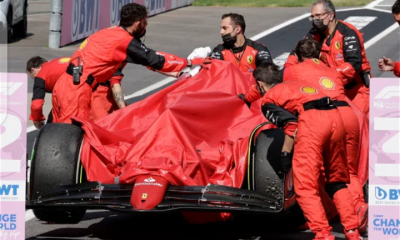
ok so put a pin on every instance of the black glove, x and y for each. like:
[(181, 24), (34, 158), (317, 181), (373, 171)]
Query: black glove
[(241, 96), (286, 161)]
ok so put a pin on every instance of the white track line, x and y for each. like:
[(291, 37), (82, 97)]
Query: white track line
[(373, 4), (29, 215), (380, 35)]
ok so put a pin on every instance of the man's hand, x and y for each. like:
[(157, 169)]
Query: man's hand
[(199, 62), (241, 96), (201, 52), (38, 125), (286, 161), (386, 64)]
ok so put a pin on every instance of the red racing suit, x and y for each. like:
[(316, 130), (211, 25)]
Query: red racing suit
[(314, 71), (344, 51), (44, 82), (319, 130), (101, 56), (246, 57), (103, 102)]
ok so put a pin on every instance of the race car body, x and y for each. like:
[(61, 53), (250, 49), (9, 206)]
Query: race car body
[(193, 146)]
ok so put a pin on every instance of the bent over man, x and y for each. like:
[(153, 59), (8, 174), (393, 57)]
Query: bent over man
[(318, 134), (100, 56), (45, 75), (310, 69), (244, 53), (343, 50)]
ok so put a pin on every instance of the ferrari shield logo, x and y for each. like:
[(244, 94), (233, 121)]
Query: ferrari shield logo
[(309, 90), (316, 61), (337, 44), (83, 45), (250, 59), (64, 60), (327, 83), (322, 57), (144, 195)]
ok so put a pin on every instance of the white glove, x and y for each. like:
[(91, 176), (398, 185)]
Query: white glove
[(201, 52)]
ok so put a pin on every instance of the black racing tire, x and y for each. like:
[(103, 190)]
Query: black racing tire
[(269, 178), (21, 29), (56, 162)]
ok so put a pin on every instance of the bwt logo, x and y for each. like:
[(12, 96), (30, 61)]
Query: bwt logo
[(381, 194), (388, 92), (6, 189), (9, 88), (85, 18), (115, 9)]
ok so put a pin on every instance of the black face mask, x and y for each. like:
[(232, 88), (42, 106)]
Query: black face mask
[(229, 40), (140, 33), (319, 25)]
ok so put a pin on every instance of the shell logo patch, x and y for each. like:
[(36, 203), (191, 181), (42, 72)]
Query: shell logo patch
[(309, 90), (327, 83), (83, 45), (250, 59), (337, 44), (64, 60), (316, 61)]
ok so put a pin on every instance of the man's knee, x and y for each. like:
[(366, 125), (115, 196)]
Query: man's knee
[(332, 188)]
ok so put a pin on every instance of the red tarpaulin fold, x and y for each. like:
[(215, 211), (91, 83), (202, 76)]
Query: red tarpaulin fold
[(194, 132)]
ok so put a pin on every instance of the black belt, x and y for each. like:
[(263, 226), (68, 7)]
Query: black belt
[(324, 103), (89, 80), (341, 103)]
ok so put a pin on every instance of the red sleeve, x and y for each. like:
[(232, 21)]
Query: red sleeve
[(287, 74), (292, 60), (271, 98), (253, 94), (36, 110), (396, 69), (118, 75)]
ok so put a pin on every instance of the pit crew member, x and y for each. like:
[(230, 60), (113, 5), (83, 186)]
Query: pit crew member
[(342, 49), (318, 135)]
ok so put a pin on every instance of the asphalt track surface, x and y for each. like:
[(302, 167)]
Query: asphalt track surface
[(178, 32)]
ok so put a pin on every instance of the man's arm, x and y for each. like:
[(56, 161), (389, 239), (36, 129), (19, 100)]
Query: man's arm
[(138, 53), (263, 54), (386, 64), (217, 53), (351, 54), (118, 95), (39, 92)]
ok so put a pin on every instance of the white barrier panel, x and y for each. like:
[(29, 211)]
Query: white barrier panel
[(81, 18), (384, 160), (13, 112)]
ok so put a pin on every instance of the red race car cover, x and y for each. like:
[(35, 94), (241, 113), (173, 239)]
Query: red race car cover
[(193, 132)]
